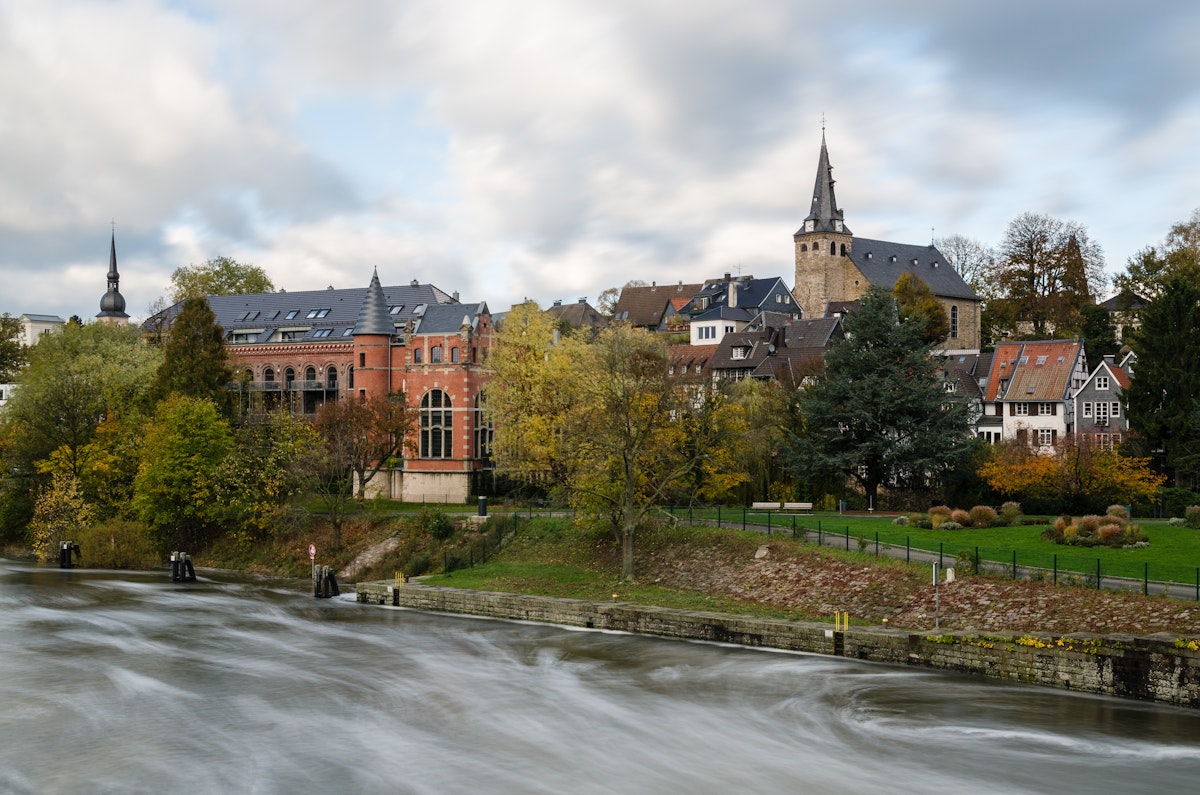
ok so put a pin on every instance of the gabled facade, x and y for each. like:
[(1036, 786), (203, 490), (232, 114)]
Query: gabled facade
[(299, 350), (777, 347), (1098, 406), (579, 315), (1030, 391), (34, 327), (832, 266), (726, 305)]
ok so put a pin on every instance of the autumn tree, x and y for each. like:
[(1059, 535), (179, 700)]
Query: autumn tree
[(1076, 473), (218, 276), (1047, 269), (12, 351), (358, 438), (177, 486), (60, 515), (974, 262), (605, 422), (878, 415), (195, 362), (1163, 400), (1147, 271), (917, 302)]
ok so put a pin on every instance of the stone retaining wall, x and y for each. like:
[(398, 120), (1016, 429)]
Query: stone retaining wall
[(1150, 668)]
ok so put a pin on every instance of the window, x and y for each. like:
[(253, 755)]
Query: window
[(292, 315), (1087, 409), (1045, 437), (740, 352), (954, 322), (250, 316), (290, 336), (1101, 382), (269, 375), (347, 332), (729, 329), (311, 314), (832, 249), (1116, 409), (395, 310), (454, 355), (289, 375), (483, 432), (310, 374), (1104, 441), (350, 377), (435, 354), (362, 360), (1021, 409), (437, 425), (322, 332), (417, 354), (671, 370), (1045, 409), (331, 379), (706, 333), (1041, 360)]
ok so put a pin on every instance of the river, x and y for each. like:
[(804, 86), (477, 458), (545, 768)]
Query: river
[(124, 682)]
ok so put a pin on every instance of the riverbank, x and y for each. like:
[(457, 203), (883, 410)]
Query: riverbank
[(1161, 669)]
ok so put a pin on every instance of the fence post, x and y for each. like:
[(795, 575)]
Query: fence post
[(1014, 564), (908, 549), (876, 543), (743, 519), (821, 542), (847, 537), (793, 527), (718, 517), (1056, 568), (1097, 574), (976, 560), (1198, 583), (768, 523), (940, 561)]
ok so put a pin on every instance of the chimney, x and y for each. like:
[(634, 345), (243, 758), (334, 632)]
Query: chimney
[(732, 295)]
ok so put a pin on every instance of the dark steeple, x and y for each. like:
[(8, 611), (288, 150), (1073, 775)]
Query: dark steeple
[(825, 215), (373, 318), (112, 304)]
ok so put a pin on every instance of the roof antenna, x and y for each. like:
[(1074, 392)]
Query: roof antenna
[(931, 243)]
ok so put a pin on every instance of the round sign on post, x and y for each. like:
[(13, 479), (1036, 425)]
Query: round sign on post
[(312, 551)]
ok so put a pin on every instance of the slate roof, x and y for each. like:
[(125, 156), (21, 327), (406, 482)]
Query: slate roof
[(685, 357), (645, 306), (751, 295), (43, 318), (964, 370), (777, 350), (373, 318), (336, 311), (448, 318), (580, 314), (824, 209), (1125, 301), (882, 262), (1032, 371)]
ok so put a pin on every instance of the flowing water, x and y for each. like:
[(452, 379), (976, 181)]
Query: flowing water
[(126, 682)]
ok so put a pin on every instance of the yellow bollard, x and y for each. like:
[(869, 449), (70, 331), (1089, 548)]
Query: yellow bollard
[(399, 581)]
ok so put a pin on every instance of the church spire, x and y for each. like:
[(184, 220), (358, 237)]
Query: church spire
[(112, 304), (825, 215)]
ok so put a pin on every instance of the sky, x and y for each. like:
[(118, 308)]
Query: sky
[(550, 149)]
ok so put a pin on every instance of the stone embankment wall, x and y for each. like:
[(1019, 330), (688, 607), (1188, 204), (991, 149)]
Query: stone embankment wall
[(1155, 668)]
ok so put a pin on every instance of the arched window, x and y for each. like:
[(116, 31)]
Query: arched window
[(843, 249), (416, 355), (454, 355), (832, 249), (804, 247), (331, 378), (289, 375), (483, 433), (310, 374), (954, 322), (437, 425), (350, 377), (435, 354), (268, 375)]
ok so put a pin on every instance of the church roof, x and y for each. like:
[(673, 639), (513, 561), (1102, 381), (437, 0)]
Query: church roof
[(824, 203), (882, 262), (112, 303), (373, 317)]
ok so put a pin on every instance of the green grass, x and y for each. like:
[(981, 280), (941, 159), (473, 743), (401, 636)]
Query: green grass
[(1173, 554)]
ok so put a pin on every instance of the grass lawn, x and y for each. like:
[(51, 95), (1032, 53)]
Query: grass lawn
[(1173, 554)]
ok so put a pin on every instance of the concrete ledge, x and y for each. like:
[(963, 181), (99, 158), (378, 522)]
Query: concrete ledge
[(1150, 668)]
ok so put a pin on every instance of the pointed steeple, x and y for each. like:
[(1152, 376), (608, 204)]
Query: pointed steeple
[(824, 215), (112, 304), (373, 318)]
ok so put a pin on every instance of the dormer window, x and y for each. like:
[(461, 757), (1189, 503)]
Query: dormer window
[(740, 352)]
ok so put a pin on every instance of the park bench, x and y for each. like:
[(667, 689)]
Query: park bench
[(764, 506), (798, 506)]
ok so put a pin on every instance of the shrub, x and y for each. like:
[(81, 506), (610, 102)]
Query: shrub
[(118, 544), (1109, 533), (438, 524), (1177, 521), (960, 517), (1010, 512), (924, 523), (1118, 511), (418, 565), (1191, 516), (983, 516), (1088, 525), (950, 525), (1061, 523), (938, 514), (902, 521)]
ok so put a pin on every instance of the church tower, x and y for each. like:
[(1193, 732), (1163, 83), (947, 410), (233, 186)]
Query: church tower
[(823, 244), (112, 304)]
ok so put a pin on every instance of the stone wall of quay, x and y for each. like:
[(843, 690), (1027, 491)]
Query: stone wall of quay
[(1153, 668)]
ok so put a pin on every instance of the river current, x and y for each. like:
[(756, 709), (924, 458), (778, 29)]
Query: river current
[(124, 682)]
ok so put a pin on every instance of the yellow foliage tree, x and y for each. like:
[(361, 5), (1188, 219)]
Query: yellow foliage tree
[(59, 515), (1075, 468)]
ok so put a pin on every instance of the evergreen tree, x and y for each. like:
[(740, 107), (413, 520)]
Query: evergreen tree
[(195, 363), (879, 414), (1163, 400), (1099, 334)]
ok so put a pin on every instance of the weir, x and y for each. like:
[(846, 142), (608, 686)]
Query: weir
[(1151, 668)]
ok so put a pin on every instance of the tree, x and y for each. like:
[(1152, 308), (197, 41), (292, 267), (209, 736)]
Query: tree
[(1147, 271), (218, 276), (1163, 401), (916, 301), (603, 421), (1077, 472), (195, 362), (359, 438), (1048, 268), (1099, 335), (879, 415), (974, 262), (59, 516), (13, 355), (177, 486)]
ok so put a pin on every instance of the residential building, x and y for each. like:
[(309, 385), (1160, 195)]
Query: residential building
[(832, 266), (578, 315), (656, 308), (776, 346), (299, 350), (34, 327), (1098, 405), (723, 306), (1030, 390)]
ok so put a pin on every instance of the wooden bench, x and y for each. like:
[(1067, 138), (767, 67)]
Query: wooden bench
[(764, 506), (798, 506)]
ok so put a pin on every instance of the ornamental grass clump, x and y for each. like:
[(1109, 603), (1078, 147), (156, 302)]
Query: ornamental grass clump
[(960, 517), (939, 514), (1093, 530), (983, 516), (1119, 511), (1191, 515)]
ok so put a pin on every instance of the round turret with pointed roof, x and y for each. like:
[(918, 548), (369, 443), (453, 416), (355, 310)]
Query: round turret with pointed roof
[(374, 318)]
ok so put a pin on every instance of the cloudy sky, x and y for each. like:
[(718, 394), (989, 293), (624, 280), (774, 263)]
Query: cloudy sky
[(553, 148)]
